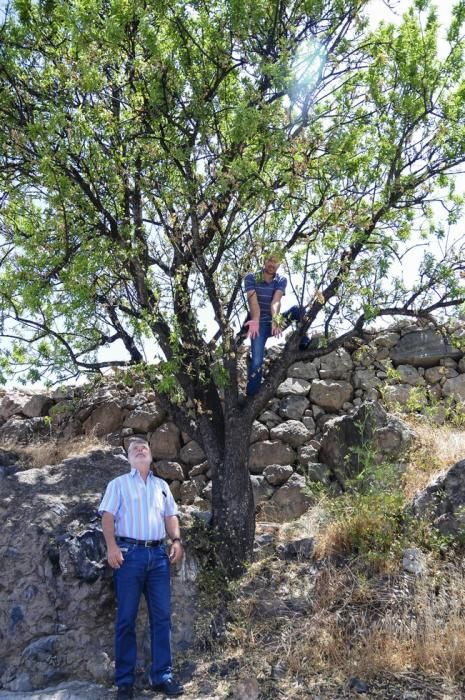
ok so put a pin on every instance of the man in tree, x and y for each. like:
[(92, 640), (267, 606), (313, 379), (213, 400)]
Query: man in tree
[(265, 290), (137, 511)]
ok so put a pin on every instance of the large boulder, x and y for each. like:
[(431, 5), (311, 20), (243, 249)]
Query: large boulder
[(423, 348), (165, 441), (105, 418), (336, 365), (292, 432), (146, 418), (288, 502), (369, 428), (455, 387), (262, 454), (330, 394), (443, 501), (293, 407), (294, 387)]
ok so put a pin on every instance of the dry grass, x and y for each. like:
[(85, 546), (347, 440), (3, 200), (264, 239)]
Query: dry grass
[(42, 453), (436, 448)]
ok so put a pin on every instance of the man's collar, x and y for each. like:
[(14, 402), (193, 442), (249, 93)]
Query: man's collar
[(135, 471)]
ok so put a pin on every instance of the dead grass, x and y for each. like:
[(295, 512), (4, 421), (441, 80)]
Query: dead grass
[(42, 453), (436, 448)]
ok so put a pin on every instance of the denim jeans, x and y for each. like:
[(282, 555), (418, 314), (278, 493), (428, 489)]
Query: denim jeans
[(144, 570), (257, 346)]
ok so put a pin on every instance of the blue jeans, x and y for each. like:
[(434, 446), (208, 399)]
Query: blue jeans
[(144, 570), (257, 346)]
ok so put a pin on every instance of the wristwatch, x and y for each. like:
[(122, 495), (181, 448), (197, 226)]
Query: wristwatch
[(176, 539)]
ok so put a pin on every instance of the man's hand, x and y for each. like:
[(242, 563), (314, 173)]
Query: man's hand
[(253, 329), (176, 552), (115, 556)]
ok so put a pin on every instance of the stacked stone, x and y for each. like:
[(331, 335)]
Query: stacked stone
[(290, 437)]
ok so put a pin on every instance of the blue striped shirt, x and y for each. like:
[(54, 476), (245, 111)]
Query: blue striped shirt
[(139, 507), (265, 291)]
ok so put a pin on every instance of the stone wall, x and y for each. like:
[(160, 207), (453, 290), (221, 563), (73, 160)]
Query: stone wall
[(291, 440)]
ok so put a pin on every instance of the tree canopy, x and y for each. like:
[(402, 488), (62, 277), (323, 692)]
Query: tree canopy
[(150, 151)]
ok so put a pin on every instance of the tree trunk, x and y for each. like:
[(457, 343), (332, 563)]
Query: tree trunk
[(233, 508)]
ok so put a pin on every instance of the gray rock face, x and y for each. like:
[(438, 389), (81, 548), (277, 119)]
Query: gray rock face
[(277, 474), (414, 561), (443, 501), (145, 418), (455, 387), (22, 430), (370, 425), (261, 488), (303, 370), (294, 387), (410, 375), (166, 469), (192, 453), (423, 348), (289, 501), (366, 379), (105, 418), (386, 340), (293, 407), (262, 454), (292, 432), (336, 365), (259, 432), (329, 394), (399, 393), (165, 442)]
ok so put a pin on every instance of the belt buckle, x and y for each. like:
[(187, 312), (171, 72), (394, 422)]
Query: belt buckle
[(148, 543)]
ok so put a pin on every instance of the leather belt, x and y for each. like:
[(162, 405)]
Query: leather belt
[(141, 543)]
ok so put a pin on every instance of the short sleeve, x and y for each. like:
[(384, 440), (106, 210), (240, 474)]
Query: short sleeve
[(170, 504), (249, 282), (281, 284), (111, 499)]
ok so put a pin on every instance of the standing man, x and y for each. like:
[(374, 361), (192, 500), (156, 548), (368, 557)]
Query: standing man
[(137, 511)]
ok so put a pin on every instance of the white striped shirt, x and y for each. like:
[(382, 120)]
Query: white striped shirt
[(139, 507)]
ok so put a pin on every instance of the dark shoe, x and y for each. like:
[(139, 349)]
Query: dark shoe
[(169, 687), (125, 692)]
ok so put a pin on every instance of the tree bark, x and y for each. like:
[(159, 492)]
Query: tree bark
[(233, 508)]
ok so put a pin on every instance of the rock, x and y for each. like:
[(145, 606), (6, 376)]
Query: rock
[(336, 365), (433, 375), (303, 370), (318, 472), (245, 689), (12, 404), (105, 418), (309, 424), (145, 418), (308, 454), (262, 490), (277, 474), (293, 407), (69, 690), (366, 379), (414, 561), (289, 501), (23, 430), (386, 340), (329, 394), (192, 453), (201, 468), (455, 388), (297, 550), (370, 425), (358, 685), (293, 387), (259, 432), (410, 375), (261, 454), (423, 348), (397, 394), (166, 469), (292, 432), (188, 492), (443, 501), (165, 441)]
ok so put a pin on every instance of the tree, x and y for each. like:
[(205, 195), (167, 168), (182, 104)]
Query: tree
[(150, 150)]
